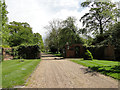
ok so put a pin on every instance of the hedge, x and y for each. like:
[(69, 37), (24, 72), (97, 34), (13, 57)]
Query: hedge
[(26, 52)]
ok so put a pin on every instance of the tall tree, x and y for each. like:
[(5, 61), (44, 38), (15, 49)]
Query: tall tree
[(99, 17), (61, 33), (69, 33), (5, 31), (20, 33), (52, 40), (38, 40)]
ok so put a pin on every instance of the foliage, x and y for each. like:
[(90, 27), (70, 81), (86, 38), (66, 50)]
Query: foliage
[(15, 73), (5, 46), (52, 40), (5, 31), (100, 39), (62, 32), (100, 16), (38, 40), (109, 68), (69, 33), (98, 51), (27, 52), (9, 51), (17, 33), (20, 33), (88, 55), (115, 37), (56, 54), (112, 37)]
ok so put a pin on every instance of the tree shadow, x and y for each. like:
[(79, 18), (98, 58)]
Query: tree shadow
[(108, 70), (89, 71)]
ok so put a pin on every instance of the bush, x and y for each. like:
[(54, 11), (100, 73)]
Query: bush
[(15, 52), (4, 46), (26, 52), (88, 55)]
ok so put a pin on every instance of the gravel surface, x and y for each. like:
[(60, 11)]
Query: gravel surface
[(54, 72)]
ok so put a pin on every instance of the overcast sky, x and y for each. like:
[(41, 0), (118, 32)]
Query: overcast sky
[(39, 12)]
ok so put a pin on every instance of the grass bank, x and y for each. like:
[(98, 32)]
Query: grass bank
[(15, 73), (109, 68)]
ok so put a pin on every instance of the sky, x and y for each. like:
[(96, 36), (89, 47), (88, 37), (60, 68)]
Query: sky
[(38, 13)]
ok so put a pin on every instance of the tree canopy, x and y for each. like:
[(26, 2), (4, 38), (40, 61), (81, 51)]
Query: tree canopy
[(62, 32), (4, 20), (100, 16)]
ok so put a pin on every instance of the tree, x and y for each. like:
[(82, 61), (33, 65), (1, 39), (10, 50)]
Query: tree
[(114, 35), (38, 40), (5, 31), (69, 33), (52, 40), (100, 16), (20, 33), (62, 32)]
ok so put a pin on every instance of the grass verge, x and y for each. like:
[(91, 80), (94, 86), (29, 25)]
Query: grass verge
[(109, 68), (15, 73)]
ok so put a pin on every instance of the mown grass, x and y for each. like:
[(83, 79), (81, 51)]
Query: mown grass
[(56, 54), (15, 73), (109, 68)]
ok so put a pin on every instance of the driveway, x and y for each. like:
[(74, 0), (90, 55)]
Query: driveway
[(54, 72)]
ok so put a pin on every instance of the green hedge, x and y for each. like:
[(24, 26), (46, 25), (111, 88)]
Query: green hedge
[(26, 52)]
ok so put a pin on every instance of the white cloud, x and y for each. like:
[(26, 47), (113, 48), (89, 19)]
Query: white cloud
[(39, 12)]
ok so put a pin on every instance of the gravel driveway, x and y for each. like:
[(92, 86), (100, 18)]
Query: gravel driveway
[(53, 72)]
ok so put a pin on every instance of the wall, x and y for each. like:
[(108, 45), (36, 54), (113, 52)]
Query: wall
[(6, 56), (71, 52)]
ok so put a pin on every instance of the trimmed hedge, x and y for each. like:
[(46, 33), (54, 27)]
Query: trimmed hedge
[(26, 52)]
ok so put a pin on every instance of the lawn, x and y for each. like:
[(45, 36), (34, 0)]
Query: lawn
[(109, 68), (56, 54), (15, 73)]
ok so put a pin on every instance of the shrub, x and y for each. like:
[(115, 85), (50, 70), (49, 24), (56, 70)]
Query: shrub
[(27, 52), (15, 52), (4, 46), (88, 55)]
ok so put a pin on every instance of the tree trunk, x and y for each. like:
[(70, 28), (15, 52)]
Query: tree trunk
[(101, 28)]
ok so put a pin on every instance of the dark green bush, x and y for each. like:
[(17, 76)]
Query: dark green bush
[(27, 52), (88, 55), (15, 52), (9, 51)]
